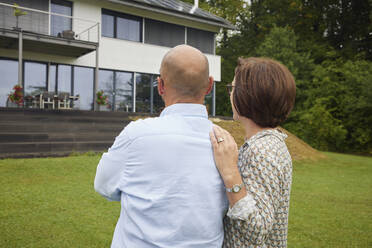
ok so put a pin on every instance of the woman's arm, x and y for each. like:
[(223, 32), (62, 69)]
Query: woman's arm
[(255, 208), (226, 158)]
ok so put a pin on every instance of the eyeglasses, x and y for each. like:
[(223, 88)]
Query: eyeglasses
[(230, 88)]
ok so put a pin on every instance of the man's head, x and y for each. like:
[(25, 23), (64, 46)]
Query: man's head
[(184, 76)]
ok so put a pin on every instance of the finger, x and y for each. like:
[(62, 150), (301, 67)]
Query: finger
[(213, 140), (218, 132), (220, 128), (224, 133)]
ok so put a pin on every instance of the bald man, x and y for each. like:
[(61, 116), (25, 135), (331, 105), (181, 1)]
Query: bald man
[(162, 169)]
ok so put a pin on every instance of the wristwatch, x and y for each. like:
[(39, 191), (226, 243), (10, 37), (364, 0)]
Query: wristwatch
[(235, 188)]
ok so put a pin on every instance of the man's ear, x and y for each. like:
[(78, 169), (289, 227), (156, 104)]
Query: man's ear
[(210, 85), (160, 86)]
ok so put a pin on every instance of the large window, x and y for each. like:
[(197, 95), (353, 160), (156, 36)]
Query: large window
[(64, 79), (35, 78), (106, 84), (118, 87), (8, 79), (52, 84), (83, 86), (122, 26), (164, 34), (60, 78), (202, 40), (124, 91), (60, 23), (147, 97)]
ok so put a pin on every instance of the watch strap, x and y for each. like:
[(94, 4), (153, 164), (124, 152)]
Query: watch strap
[(235, 188)]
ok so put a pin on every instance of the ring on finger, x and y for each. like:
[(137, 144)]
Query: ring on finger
[(219, 140)]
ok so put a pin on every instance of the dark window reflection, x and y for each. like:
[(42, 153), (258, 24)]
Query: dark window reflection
[(124, 91), (60, 23), (8, 79), (143, 93), (158, 105), (147, 97), (64, 78), (83, 86), (106, 84), (35, 78), (202, 40), (164, 34)]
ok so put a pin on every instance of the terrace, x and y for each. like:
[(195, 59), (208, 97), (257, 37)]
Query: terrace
[(53, 31)]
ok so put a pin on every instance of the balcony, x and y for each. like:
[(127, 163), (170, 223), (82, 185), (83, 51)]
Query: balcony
[(46, 32)]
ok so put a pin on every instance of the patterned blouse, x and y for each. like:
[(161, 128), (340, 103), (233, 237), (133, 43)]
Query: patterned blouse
[(261, 218)]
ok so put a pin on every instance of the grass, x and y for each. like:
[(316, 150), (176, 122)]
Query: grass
[(50, 202)]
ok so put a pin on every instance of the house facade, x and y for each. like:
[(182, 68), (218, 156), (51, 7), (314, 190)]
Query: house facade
[(90, 47)]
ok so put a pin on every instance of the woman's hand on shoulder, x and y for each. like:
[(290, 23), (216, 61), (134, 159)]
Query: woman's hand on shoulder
[(225, 152)]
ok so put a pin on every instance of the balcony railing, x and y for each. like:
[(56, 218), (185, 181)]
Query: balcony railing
[(47, 23)]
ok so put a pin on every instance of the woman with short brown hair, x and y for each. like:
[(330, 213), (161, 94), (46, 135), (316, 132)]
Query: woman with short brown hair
[(258, 178)]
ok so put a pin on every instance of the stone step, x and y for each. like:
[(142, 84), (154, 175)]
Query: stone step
[(40, 154), (12, 127), (72, 119), (39, 133), (77, 113), (52, 147), (13, 137)]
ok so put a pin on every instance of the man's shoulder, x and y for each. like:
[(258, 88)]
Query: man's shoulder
[(141, 125), (171, 124)]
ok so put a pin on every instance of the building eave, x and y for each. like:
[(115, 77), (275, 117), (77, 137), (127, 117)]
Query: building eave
[(222, 24)]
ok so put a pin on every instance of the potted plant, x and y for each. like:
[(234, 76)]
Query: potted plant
[(102, 99), (16, 96)]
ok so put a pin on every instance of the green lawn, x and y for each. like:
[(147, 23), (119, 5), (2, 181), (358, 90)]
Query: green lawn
[(51, 202)]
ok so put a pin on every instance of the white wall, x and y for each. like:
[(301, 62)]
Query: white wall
[(117, 54), (127, 55)]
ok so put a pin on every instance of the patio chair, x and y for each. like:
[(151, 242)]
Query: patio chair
[(47, 99), (36, 100), (63, 100), (73, 100)]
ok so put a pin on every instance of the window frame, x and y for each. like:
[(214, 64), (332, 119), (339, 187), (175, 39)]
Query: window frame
[(116, 14), (65, 3)]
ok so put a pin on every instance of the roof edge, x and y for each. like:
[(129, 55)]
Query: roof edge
[(225, 24)]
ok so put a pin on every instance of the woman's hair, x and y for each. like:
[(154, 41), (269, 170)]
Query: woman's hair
[(265, 91)]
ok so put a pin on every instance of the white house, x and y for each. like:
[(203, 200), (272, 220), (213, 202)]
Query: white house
[(85, 46)]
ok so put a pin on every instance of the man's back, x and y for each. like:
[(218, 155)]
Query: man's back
[(170, 190)]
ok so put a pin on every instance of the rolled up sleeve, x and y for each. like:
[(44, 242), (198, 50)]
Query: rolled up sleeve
[(110, 168)]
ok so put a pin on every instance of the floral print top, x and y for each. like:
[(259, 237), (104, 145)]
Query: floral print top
[(261, 218)]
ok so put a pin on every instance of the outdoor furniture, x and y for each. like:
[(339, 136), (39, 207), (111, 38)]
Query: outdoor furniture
[(47, 99), (73, 99), (37, 101), (63, 100), (67, 34)]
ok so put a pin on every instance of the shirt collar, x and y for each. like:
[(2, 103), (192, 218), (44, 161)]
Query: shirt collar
[(274, 132), (186, 109)]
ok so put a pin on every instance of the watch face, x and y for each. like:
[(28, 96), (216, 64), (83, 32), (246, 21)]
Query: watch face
[(236, 188)]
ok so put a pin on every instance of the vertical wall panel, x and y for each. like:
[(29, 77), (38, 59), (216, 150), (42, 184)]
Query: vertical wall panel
[(200, 39), (164, 34)]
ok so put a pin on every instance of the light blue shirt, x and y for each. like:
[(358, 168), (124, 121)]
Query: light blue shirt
[(163, 172)]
